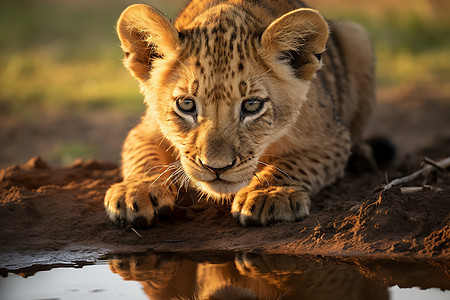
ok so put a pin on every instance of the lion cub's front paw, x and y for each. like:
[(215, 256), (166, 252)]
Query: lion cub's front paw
[(138, 202), (273, 204), (157, 269)]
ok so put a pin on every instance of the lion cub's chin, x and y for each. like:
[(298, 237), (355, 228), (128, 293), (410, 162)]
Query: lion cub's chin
[(220, 188)]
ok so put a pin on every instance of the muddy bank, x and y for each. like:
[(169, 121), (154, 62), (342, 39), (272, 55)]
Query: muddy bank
[(52, 215)]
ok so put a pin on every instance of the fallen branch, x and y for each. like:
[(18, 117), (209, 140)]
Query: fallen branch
[(415, 189), (441, 165), (433, 163)]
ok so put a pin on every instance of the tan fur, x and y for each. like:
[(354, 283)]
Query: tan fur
[(313, 81), (249, 277)]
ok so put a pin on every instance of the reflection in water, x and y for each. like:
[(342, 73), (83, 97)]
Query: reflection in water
[(246, 276), (230, 276)]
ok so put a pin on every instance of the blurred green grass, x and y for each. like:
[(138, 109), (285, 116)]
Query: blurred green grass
[(65, 54), (69, 152), (412, 44)]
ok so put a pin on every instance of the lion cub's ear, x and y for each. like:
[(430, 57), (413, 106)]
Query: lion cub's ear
[(297, 38), (146, 35)]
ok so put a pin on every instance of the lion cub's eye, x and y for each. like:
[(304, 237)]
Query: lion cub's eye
[(251, 106), (186, 105)]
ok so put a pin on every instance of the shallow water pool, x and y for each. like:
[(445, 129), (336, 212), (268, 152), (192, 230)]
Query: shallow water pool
[(230, 276)]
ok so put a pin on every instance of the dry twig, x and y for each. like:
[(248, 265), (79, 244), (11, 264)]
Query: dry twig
[(415, 189), (441, 165), (433, 163), (135, 231)]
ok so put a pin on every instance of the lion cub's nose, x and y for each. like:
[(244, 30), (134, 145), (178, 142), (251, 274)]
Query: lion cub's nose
[(218, 170)]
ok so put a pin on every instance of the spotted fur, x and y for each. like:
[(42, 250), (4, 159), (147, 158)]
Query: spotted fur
[(247, 276), (255, 102)]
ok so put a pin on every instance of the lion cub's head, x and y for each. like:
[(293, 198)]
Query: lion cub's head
[(224, 87)]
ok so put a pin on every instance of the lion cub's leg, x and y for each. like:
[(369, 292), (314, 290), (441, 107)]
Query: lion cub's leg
[(147, 188), (281, 191)]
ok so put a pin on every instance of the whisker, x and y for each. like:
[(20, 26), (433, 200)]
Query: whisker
[(278, 169), (267, 181), (174, 174), (270, 173), (170, 147), (169, 166), (162, 173), (168, 169), (152, 168), (182, 182), (175, 179), (257, 177), (161, 138), (186, 181), (202, 194)]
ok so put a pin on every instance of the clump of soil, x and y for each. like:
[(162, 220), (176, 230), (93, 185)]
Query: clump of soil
[(52, 210)]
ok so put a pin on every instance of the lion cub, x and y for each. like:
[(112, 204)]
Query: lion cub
[(256, 102)]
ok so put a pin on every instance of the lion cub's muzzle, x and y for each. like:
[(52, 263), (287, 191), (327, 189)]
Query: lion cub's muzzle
[(219, 179), (218, 170)]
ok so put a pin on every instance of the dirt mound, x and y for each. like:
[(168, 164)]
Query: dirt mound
[(412, 224), (60, 210)]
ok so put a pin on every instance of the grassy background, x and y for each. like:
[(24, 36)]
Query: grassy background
[(64, 93), (411, 38), (65, 53)]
